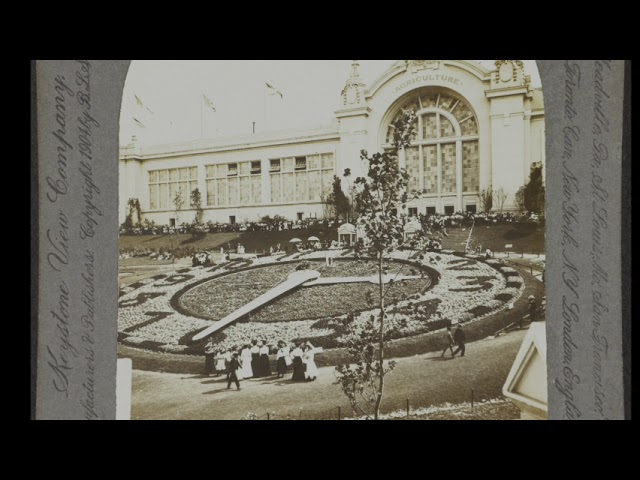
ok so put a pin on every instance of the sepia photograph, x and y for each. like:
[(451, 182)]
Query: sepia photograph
[(332, 240)]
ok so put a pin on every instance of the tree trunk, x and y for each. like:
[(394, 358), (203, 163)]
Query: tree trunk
[(381, 340)]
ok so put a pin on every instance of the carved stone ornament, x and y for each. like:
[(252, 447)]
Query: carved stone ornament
[(415, 65), (352, 95), (507, 70)]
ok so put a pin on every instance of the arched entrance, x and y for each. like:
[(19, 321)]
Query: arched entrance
[(443, 160)]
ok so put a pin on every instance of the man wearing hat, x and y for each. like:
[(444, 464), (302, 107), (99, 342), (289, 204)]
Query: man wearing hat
[(232, 368), (533, 309), (460, 338)]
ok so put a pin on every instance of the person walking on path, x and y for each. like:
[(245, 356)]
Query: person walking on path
[(460, 338), (533, 309), (448, 342), (298, 365), (255, 359), (281, 362), (209, 359), (308, 357), (246, 359), (233, 367), (228, 355), (221, 366), (265, 365)]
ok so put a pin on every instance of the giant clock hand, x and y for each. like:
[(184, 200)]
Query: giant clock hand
[(304, 278), (294, 280)]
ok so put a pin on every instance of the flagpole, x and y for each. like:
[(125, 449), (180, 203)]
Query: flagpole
[(201, 121)]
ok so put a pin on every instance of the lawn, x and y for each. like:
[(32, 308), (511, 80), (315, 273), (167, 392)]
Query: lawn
[(527, 237)]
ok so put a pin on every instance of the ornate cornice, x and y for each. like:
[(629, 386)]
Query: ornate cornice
[(416, 65)]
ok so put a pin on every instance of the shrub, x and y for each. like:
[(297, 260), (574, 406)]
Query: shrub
[(493, 304), (503, 296), (514, 282), (464, 317), (480, 310)]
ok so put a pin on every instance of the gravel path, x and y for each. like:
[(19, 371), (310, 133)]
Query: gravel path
[(424, 379)]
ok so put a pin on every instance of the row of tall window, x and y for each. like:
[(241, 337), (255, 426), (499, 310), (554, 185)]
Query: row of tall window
[(291, 179)]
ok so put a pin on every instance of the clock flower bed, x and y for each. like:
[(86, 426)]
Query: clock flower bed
[(165, 312), (219, 297)]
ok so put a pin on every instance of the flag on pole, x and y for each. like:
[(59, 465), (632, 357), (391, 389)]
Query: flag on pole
[(273, 90), (141, 104), (208, 102)]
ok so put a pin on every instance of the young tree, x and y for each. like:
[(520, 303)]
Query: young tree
[(534, 191), (130, 222), (486, 200), (351, 189), (337, 202), (500, 197), (519, 199), (178, 203), (328, 208), (378, 196), (196, 203), (341, 200)]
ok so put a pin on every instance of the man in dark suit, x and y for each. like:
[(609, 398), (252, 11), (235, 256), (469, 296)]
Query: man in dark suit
[(460, 338), (232, 368)]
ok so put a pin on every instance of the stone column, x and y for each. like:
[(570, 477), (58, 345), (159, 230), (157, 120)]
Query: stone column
[(265, 178), (509, 131), (527, 146), (439, 207), (459, 178)]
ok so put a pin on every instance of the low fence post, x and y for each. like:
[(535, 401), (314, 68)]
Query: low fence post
[(472, 397), (407, 408), (268, 416), (338, 413)]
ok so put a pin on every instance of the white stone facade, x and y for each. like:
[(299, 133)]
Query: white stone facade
[(477, 129)]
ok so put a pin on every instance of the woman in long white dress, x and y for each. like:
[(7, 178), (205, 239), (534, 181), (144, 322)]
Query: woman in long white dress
[(221, 366), (245, 356), (309, 360)]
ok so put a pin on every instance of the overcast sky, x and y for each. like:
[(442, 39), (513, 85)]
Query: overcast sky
[(174, 110)]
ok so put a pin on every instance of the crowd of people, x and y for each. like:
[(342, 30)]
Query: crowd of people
[(436, 221), (430, 221), (279, 224), (253, 360)]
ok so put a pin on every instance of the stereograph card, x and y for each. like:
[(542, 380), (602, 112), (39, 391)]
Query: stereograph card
[(322, 240)]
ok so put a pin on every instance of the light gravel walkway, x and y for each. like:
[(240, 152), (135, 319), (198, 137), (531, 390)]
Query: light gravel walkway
[(423, 379)]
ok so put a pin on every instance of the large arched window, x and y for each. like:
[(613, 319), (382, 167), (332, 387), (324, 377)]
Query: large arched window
[(443, 159)]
